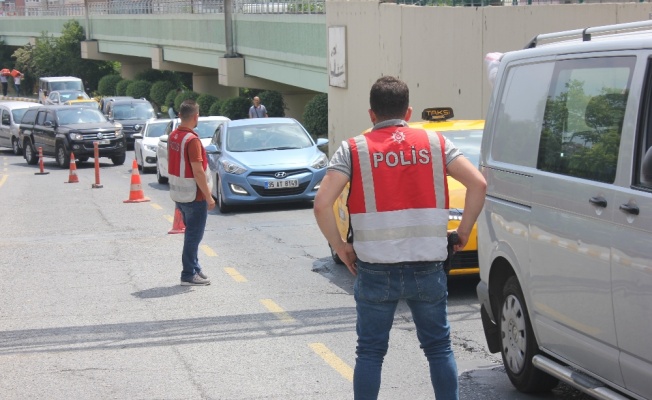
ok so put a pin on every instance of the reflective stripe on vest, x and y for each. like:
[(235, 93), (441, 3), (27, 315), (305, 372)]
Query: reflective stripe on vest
[(183, 187), (410, 221)]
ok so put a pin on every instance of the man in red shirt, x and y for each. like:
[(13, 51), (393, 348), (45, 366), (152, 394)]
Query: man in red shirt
[(190, 189)]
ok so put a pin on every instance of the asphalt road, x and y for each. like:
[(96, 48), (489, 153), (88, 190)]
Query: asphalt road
[(91, 305)]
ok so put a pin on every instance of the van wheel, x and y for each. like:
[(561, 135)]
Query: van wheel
[(63, 159), (223, 207), (519, 345), (336, 258), (17, 150), (30, 155)]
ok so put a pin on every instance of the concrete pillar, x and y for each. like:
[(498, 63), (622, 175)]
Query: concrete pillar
[(296, 103), (208, 83)]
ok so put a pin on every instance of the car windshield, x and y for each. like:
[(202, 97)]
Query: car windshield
[(72, 95), (18, 113), (281, 136), (206, 129), (155, 130), (133, 111), (468, 142), (80, 116)]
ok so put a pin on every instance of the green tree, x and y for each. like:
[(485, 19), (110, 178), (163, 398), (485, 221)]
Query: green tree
[(121, 87), (235, 108), (159, 92), (205, 102), (185, 95), (139, 89), (169, 98), (216, 108), (107, 85), (315, 116), (273, 102)]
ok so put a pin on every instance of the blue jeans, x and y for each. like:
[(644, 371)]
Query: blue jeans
[(377, 290), (194, 217)]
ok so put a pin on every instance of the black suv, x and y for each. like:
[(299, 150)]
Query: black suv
[(133, 114), (60, 130)]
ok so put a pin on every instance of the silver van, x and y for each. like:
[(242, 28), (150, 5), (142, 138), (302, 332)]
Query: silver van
[(565, 236), (55, 83), (11, 112)]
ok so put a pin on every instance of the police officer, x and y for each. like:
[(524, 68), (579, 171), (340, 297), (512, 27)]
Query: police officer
[(190, 189), (398, 205)]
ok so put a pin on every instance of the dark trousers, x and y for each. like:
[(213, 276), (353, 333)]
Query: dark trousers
[(5, 86)]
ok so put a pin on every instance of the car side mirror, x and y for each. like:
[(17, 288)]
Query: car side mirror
[(322, 142), (137, 136), (159, 115), (646, 168), (49, 124), (212, 149), (163, 138)]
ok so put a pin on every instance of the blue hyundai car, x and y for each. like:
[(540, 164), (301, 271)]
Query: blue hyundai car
[(264, 160)]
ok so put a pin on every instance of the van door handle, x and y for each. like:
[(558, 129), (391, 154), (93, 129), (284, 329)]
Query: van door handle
[(598, 201), (629, 209)]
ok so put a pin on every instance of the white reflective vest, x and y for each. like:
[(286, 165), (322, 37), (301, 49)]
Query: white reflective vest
[(398, 201)]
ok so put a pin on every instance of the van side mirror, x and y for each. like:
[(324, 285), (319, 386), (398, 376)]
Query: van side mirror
[(49, 124), (646, 168), (163, 139)]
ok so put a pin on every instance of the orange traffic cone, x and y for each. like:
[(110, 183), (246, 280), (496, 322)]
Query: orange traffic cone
[(178, 226), (72, 177), (136, 194)]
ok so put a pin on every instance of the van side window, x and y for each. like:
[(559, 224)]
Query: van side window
[(584, 115), (519, 119), (643, 173), (5, 117)]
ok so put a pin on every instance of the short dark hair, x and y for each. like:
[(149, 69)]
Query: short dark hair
[(188, 109), (389, 98)]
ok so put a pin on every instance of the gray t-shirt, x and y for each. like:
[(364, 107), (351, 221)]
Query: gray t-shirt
[(257, 112), (341, 160)]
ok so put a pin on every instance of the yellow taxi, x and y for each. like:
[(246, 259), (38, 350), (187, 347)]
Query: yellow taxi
[(83, 102), (466, 135)]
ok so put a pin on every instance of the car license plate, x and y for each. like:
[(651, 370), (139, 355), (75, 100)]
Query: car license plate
[(281, 184), (105, 141)]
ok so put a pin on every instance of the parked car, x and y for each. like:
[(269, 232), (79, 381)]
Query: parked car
[(565, 232), (147, 142), (133, 114), (205, 129), (11, 112), (58, 97), (264, 160), (105, 101), (465, 135), (61, 130)]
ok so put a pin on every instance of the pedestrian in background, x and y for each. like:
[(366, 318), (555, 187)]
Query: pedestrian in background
[(190, 189), (18, 76), (257, 110), (4, 73), (399, 218)]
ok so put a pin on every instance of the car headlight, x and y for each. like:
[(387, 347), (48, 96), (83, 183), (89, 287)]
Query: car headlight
[(455, 214), (320, 162), (150, 147), (76, 136), (233, 168)]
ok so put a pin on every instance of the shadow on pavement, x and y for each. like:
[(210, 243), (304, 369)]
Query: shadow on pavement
[(158, 292)]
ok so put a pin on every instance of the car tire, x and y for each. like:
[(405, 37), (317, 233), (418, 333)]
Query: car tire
[(82, 159), (223, 207), (336, 258), (119, 160), (518, 344), (29, 153), (14, 146), (161, 179), (63, 158), (141, 167)]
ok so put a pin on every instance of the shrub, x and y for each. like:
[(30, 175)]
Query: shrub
[(159, 91), (169, 98), (107, 85), (315, 116), (235, 108), (216, 108), (181, 96), (205, 102), (139, 89), (273, 102), (121, 87)]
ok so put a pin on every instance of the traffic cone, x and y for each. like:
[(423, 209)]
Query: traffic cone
[(136, 194), (178, 226), (72, 177)]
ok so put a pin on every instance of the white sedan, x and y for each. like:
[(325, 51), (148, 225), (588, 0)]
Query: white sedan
[(206, 127), (146, 142)]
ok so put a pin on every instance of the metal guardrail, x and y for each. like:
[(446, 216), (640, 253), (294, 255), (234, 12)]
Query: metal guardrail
[(483, 3), (166, 7)]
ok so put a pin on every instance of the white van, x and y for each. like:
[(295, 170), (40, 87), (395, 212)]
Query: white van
[(565, 236), (48, 84)]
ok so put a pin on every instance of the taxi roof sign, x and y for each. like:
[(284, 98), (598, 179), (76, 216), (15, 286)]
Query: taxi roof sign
[(437, 114)]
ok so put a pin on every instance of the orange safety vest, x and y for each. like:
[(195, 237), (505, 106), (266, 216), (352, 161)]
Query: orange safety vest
[(398, 200), (183, 187)]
